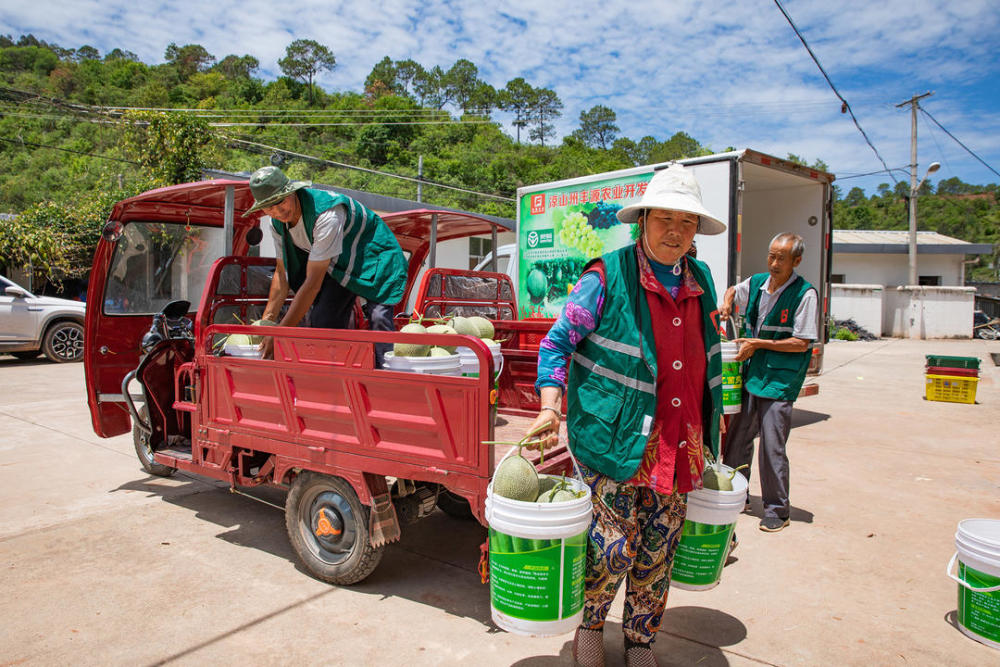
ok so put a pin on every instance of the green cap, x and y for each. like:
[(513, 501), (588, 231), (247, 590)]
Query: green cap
[(269, 185)]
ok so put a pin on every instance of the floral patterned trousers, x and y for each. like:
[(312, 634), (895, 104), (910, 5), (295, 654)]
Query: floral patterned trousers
[(634, 532)]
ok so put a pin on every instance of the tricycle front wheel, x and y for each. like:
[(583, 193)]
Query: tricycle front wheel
[(328, 529), (145, 451)]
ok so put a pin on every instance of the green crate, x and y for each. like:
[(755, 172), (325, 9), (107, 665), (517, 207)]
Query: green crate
[(952, 362)]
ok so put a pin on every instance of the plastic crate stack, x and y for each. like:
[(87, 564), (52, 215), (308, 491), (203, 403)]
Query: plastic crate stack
[(952, 379)]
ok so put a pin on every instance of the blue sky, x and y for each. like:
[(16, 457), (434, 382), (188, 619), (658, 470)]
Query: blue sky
[(727, 72)]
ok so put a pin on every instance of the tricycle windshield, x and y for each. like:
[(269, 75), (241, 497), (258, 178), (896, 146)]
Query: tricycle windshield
[(155, 263)]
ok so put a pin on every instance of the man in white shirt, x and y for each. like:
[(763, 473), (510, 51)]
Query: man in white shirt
[(330, 250), (779, 311)]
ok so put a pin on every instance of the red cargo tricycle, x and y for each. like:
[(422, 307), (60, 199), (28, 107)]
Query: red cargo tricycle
[(361, 451)]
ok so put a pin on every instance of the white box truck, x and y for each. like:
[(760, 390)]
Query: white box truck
[(563, 224)]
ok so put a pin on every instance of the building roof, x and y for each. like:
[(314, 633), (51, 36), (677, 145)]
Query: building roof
[(892, 241)]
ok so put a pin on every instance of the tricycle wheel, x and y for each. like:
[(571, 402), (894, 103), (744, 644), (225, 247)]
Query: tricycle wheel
[(328, 528), (454, 505), (145, 452)]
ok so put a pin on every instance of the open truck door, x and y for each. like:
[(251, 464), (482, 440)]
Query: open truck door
[(156, 248)]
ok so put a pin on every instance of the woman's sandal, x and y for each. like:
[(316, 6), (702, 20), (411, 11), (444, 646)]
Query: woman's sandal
[(588, 647), (640, 656)]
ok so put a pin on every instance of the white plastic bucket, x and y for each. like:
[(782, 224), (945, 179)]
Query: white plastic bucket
[(470, 368), (450, 365), (470, 362), (237, 350), (538, 554), (977, 543), (732, 380), (708, 529)]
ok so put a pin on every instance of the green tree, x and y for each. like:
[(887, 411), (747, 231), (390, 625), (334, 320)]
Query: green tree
[(382, 80), (856, 197), (237, 67), (679, 146), (304, 59), (188, 59), (119, 54), (428, 85), (597, 126), (548, 106), (463, 87), (86, 52), (171, 147), (519, 97)]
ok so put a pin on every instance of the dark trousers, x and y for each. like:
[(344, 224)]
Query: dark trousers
[(333, 308), (772, 420)]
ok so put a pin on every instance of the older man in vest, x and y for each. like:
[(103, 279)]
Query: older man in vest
[(779, 323), (330, 250)]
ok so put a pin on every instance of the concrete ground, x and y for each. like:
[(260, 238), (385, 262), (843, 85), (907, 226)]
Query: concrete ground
[(103, 565)]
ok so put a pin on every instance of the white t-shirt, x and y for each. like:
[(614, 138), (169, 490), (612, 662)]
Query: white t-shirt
[(805, 325), (328, 236)]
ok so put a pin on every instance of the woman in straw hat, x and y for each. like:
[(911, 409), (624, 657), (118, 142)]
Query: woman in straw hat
[(644, 395)]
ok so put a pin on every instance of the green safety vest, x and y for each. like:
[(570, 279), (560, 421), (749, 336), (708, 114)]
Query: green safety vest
[(371, 263), (769, 373), (611, 390)]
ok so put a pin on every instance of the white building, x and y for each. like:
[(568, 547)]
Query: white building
[(877, 257), (869, 274)]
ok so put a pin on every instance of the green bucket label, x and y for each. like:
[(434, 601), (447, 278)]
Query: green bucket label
[(529, 578), (732, 396), (979, 612), (701, 553), (731, 374)]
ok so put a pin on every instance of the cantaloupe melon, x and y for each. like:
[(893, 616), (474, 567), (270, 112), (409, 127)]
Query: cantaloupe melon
[(410, 349), (516, 478), (483, 326), (443, 329)]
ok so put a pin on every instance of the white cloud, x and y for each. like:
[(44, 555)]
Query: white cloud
[(727, 73)]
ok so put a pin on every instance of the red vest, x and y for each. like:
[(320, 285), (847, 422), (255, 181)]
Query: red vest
[(675, 445)]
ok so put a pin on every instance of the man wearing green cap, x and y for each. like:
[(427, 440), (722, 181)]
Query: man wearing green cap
[(330, 249)]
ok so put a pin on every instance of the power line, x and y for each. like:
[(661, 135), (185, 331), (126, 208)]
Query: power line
[(66, 150), (332, 163), (294, 112), (844, 104), (969, 150), (355, 124), (870, 173)]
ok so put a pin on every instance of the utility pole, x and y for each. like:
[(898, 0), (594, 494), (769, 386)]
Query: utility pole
[(913, 102)]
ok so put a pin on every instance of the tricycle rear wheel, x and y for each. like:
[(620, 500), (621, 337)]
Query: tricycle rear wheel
[(328, 529), (454, 505)]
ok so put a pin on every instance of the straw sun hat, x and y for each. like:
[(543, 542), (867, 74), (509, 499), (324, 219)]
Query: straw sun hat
[(676, 189)]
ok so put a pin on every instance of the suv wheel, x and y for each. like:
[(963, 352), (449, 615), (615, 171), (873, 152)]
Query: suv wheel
[(64, 342)]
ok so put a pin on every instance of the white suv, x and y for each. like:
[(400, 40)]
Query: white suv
[(30, 325)]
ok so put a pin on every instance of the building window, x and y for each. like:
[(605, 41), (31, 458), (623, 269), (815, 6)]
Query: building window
[(837, 278), (479, 248), (929, 281)]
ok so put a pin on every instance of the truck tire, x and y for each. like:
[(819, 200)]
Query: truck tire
[(328, 529), (145, 452), (454, 505), (64, 342)]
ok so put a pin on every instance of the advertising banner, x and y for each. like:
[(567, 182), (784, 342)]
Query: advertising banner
[(561, 229)]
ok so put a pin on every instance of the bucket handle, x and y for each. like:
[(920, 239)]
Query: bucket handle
[(961, 582)]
